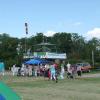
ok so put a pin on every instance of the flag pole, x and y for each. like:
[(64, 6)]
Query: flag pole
[(26, 30)]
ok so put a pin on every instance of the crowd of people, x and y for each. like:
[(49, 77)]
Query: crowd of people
[(52, 71), (73, 70)]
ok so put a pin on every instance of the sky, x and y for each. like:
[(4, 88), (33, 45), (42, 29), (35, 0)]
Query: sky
[(49, 17)]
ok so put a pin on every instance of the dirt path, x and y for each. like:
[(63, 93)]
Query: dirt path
[(91, 75)]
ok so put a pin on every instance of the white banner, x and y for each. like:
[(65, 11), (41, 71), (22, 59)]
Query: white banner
[(47, 55), (56, 55)]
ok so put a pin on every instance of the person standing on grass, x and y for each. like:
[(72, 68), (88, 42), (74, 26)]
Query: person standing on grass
[(74, 71), (79, 71), (13, 69), (69, 70), (62, 71), (35, 70), (30, 70), (56, 72), (49, 74), (53, 72)]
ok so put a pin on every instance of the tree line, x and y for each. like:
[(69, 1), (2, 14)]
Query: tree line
[(76, 47)]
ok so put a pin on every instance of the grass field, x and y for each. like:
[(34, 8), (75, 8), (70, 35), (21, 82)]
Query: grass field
[(41, 89)]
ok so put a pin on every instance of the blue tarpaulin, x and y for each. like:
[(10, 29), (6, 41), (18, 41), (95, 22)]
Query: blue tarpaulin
[(37, 61), (1, 66)]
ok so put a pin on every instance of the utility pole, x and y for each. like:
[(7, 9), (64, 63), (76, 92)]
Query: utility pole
[(93, 58)]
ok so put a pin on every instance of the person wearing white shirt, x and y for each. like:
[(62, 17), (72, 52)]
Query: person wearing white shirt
[(69, 70)]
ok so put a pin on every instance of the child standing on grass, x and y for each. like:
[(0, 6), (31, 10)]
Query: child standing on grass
[(79, 71)]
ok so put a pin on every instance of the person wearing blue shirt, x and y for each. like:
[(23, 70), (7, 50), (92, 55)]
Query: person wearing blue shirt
[(53, 72)]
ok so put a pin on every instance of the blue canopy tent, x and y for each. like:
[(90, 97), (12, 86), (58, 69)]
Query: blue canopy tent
[(32, 61), (37, 61)]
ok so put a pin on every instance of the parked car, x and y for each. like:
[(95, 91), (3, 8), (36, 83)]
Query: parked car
[(85, 67)]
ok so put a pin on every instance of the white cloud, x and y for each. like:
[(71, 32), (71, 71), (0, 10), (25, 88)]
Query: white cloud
[(93, 33), (77, 23), (49, 33)]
